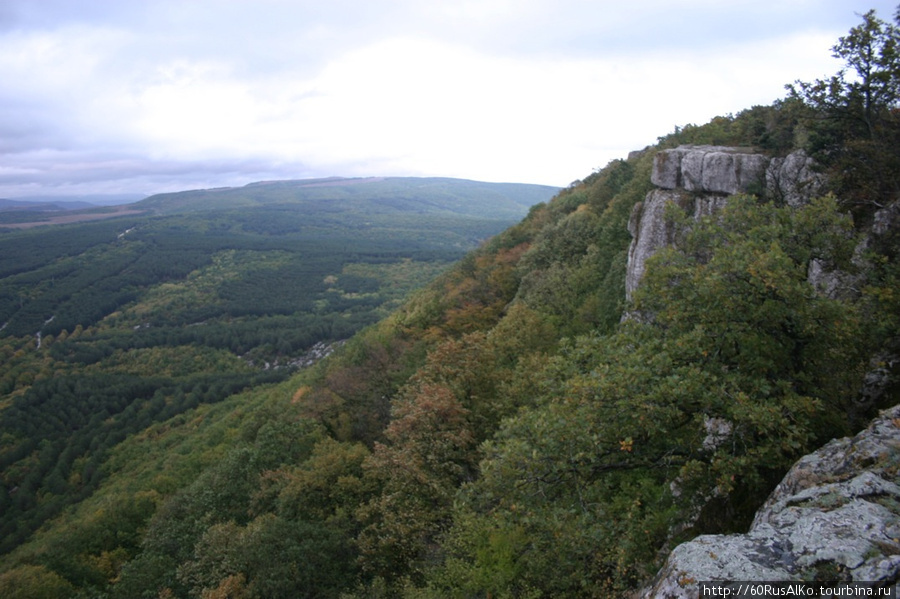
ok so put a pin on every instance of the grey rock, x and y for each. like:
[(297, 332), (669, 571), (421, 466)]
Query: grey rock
[(714, 558), (718, 430), (666, 171), (832, 283), (887, 220), (707, 205), (692, 170), (838, 507), (880, 379), (718, 174), (793, 179), (726, 170), (709, 169), (649, 232), (702, 178), (750, 170)]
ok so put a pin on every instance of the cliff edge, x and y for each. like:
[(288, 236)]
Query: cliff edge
[(699, 179), (834, 516)]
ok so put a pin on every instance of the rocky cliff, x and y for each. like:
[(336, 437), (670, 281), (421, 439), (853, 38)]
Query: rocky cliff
[(834, 516), (699, 179)]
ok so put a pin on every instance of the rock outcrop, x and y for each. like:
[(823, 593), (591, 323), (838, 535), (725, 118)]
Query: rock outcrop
[(699, 179), (726, 170), (710, 169), (650, 231), (835, 515), (793, 179)]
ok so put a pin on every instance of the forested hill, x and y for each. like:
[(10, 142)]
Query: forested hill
[(502, 203), (381, 194), (111, 326), (516, 428), (56, 278)]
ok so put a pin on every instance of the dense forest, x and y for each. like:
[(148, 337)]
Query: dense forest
[(503, 432), (114, 325)]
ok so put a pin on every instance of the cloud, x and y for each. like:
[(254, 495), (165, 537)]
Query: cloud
[(146, 97)]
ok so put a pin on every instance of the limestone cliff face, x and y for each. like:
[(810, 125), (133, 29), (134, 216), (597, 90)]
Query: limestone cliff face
[(699, 179), (710, 169), (836, 514)]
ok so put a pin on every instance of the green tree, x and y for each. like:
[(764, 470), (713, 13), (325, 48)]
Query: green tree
[(328, 487), (854, 120), (427, 456), (33, 582), (866, 96), (672, 426), (270, 558)]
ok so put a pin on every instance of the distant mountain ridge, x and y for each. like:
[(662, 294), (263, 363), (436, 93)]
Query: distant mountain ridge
[(436, 196), (422, 194), (74, 202), (54, 206)]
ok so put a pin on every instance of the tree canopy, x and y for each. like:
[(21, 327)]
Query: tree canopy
[(854, 115)]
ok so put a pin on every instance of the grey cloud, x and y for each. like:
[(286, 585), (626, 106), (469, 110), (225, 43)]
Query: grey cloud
[(60, 141), (72, 172)]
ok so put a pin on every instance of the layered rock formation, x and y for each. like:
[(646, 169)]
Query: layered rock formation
[(834, 516), (699, 179)]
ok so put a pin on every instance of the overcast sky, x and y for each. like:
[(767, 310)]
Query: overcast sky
[(121, 96)]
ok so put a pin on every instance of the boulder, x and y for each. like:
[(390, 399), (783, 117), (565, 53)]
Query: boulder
[(836, 514)]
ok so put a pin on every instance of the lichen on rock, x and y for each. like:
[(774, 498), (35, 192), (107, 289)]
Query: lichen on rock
[(836, 512)]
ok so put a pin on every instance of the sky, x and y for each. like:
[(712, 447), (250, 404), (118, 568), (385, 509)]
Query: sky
[(139, 97)]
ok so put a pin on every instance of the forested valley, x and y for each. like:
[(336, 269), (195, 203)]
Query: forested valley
[(502, 431), (109, 327)]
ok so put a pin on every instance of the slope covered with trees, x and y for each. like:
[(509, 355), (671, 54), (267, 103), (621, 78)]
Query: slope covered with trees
[(504, 433), (109, 327)]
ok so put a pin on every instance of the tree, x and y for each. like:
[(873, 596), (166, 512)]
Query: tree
[(672, 427), (872, 51), (33, 582), (327, 487), (427, 458), (270, 558), (854, 124)]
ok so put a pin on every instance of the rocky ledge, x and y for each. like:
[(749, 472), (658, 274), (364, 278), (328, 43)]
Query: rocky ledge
[(727, 170), (834, 516), (699, 179)]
